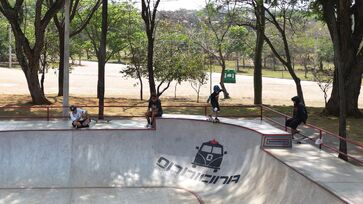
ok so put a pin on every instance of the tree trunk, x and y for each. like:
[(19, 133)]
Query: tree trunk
[(237, 58), (352, 90), (346, 38), (297, 83), (30, 67), (225, 92), (257, 74), (61, 60), (222, 63), (80, 60), (243, 62), (38, 97), (149, 17), (176, 84), (274, 63), (321, 65), (150, 64), (102, 61), (44, 64), (141, 87), (342, 115)]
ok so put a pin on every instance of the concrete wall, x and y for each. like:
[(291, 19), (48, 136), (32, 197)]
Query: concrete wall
[(130, 158)]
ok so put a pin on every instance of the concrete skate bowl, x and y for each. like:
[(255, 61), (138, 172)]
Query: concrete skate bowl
[(149, 166)]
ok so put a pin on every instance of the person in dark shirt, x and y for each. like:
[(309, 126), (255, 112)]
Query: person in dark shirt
[(299, 115), (213, 99), (154, 110)]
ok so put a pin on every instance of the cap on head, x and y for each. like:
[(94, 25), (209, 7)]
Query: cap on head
[(296, 99), (216, 88), (72, 107)]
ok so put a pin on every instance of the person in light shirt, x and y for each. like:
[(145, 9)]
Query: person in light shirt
[(79, 117)]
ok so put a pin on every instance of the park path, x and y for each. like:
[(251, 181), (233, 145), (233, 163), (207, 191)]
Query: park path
[(83, 82)]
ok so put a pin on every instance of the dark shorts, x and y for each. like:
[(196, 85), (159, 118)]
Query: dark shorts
[(82, 123), (293, 123), (158, 114)]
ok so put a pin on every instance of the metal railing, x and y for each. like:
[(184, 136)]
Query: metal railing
[(318, 133), (55, 112)]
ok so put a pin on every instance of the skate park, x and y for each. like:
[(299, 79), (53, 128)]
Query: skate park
[(121, 161), (64, 63)]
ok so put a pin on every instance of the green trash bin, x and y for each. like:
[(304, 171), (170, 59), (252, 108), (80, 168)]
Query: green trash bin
[(229, 76)]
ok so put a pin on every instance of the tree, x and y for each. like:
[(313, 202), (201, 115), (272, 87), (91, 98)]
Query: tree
[(48, 57), (102, 60), (198, 82), (176, 56), (148, 12), (116, 31), (260, 33), (218, 19), (4, 39), (238, 42), (324, 79), (137, 42), (27, 52), (77, 8), (344, 19), (281, 20), (345, 23)]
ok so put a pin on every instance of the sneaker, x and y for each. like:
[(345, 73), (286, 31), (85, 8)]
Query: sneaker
[(148, 126)]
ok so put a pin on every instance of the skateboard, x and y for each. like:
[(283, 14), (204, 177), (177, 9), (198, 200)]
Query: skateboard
[(213, 120), (299, 140)]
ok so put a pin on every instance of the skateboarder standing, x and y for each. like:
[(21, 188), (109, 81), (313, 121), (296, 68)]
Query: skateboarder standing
[(213, 99), (299, 115), (79, 117), (154, 110)]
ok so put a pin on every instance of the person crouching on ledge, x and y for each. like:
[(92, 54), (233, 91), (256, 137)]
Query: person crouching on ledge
[(79, 117), (154, 110)]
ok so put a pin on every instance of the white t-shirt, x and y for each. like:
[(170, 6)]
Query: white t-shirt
[(77, 115)]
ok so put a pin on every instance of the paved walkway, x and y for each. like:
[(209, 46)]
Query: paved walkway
[(83, 82)]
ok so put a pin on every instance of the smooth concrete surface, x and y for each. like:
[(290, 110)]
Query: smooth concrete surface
[(340, 177), (98, 195), (253, 124), (155, 166), (132, 123)]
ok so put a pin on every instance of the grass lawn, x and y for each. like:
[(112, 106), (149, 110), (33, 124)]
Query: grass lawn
[(137, 108), (270, 73)]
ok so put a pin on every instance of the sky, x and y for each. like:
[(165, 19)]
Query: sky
[(172, 5)]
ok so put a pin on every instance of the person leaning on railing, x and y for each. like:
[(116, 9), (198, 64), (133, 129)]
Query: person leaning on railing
[(79, 117), (154, 110)]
